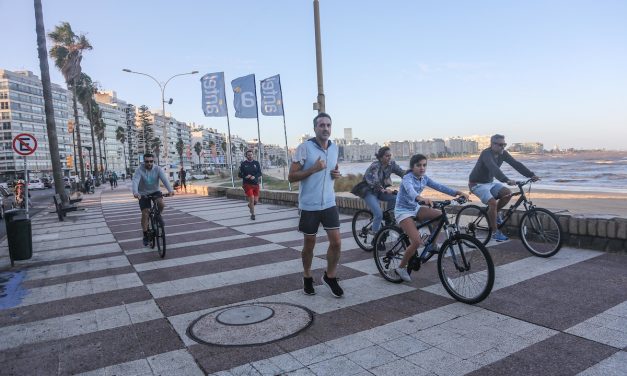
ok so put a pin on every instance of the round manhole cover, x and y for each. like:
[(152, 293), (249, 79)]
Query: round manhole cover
[(244, 315), (250, 324)]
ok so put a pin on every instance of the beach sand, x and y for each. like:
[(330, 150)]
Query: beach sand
[(600, 204)]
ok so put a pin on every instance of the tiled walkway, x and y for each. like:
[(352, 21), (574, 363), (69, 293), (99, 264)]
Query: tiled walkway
[(93, 301)]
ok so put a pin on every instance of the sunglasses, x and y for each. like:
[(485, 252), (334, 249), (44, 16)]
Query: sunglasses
[(501, 145)]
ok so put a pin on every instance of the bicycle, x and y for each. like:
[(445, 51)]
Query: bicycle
[(464, 265), (539, 229), (156, 229), (362, 227)]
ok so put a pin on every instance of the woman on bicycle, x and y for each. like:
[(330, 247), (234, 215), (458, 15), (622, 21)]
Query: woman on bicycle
[(408, 208), (378, 178)]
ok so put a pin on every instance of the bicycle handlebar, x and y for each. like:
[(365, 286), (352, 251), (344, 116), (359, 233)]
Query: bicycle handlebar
[(441, 204)]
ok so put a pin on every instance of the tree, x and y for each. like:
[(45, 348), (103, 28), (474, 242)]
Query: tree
[(144, 120), (99, 128), (85, 89), (180, 145), (155, 145), (198, 150), (67, 53), (120, 135), (226, 159), (51, 127)]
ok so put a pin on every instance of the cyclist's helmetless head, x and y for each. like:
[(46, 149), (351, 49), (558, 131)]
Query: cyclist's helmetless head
[(497, 143), (149, 161)]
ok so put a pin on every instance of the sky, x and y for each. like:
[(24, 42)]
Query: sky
[(548, 71)]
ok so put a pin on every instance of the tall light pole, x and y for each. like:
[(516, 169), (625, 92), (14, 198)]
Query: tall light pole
[(165, 123), (319, 105)]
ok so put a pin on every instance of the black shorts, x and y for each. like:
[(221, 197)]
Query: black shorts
[(311, 220), (144, 202)]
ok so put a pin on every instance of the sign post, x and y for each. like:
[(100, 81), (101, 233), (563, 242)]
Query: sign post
[(25, 144)]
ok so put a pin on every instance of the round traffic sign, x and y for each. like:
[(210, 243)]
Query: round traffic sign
[(24, 144)]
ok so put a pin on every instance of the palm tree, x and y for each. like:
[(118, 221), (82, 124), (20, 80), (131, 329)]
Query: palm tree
[(144, 119), (67, 53), (179, 149), (120, 135), (100, 133), (155, 145), (85, 88), (51, 128), (198, 150)]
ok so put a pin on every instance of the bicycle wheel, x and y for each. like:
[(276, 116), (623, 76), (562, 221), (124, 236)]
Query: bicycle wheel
[(473, 220), (389, 250), (466, 269), (362, 226), (160, 236), (152, 228), (540, 232)]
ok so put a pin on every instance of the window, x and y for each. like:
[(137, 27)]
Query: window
[(4, 105)]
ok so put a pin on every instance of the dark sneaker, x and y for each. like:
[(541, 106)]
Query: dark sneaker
[(499, 236), (252, 216), (146, 240), (308, 286), (332, 284)]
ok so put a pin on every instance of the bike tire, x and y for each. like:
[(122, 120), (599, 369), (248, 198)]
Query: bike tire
[(151, 232), (361, 226), (473, 220), (465, 250), (540, 232), (160, 237), (390, 245)]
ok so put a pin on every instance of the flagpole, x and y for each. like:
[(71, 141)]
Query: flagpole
[(228, 127), (287, 157), (258, 129)]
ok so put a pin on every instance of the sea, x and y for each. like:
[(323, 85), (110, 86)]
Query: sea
[(572, 172)]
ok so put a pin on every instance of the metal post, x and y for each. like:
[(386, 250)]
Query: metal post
[(320, 100), (258, 132), (26, 181), (287, 157)]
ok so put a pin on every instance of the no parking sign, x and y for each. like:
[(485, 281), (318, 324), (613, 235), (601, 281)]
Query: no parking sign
[(24, 144)]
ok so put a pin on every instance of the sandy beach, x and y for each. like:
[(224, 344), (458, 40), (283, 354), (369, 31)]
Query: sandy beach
[(596, 204)]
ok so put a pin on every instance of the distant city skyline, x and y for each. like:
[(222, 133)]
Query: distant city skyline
[(549, 72)]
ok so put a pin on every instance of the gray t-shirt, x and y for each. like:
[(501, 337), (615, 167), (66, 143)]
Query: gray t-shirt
[(489, 164), (146, 181)]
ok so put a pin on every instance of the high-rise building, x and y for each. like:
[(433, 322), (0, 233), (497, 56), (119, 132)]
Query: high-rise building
[(348, 134)]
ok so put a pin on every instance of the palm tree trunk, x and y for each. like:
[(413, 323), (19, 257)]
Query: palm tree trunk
[(100, 150), (51, 127), (77, 128), (125, 165), (104, 146), (94, 166)]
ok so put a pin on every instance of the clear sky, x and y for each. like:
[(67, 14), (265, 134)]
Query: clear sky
[(535, 70)]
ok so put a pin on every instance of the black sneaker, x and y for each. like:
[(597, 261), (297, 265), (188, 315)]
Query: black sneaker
[(332, 284), (146, 240), (252, 216), (308, 286)]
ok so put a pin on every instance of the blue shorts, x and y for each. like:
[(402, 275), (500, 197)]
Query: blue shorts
[(487, 191)]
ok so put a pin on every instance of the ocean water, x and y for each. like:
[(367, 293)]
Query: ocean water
[(569, 173)]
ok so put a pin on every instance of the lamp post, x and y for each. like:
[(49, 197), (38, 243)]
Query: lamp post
[(165, 124), (320, 102)]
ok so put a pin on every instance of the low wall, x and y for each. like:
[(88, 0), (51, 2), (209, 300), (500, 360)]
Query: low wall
[(600, 233)]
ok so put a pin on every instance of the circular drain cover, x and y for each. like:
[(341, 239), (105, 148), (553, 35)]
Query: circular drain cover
[(250, 324), (244, 315)]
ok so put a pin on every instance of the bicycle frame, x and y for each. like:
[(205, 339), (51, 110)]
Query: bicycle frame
[(528, 205)]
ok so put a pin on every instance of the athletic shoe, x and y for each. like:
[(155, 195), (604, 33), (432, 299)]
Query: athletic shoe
[(308, 286), (146, 240), (252, 216), (332, 284), (499, 236), (402, 272)]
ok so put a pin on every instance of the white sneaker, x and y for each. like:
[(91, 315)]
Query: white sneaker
[(402, 272)]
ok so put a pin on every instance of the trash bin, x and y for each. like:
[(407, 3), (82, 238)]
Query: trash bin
[(19, 235)]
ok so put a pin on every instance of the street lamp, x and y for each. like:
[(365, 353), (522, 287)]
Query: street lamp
[(163, 101)]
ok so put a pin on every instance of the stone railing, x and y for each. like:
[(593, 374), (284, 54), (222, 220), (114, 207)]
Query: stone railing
[(592, 232)]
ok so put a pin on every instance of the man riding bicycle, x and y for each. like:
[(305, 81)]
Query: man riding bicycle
[(481, 181), (146, 182), (377, 176)]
